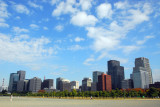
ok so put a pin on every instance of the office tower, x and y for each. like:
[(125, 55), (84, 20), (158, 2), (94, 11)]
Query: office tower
[(20, 86), (21, 74), (86, 84), (117, 73), (140, 78), (94, 86), (127, 84), (48, 83), (26, 85), (104, 83), (35, 84), (65, 85), (14, 78), (144, 62), (95, 75), (74, 84), (58, 80)]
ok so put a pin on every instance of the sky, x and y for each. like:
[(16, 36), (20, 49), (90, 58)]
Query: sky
[(73, 38)]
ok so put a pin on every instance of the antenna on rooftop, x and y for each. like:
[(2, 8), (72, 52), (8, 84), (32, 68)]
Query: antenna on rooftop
[(44, 77)]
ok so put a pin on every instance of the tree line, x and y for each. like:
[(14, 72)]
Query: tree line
[(128, 93)]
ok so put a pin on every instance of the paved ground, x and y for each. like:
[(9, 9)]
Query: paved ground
[(44, 102)]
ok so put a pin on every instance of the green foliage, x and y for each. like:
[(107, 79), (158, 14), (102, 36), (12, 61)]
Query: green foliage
[(153, 92)]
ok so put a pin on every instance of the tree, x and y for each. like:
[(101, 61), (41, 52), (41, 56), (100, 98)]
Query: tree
[(153, 92), (74, 93)]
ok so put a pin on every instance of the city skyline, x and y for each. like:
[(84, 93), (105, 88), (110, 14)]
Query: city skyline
[(73, 38)]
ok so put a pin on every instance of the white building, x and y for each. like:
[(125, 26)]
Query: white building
[(74, 84)]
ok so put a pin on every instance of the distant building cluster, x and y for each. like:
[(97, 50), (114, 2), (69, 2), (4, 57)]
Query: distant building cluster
[(141, 77)]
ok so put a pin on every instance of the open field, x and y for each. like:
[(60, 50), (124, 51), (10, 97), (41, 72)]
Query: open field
[(48, 102)]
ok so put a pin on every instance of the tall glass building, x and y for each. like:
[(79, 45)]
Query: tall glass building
[(117, 73), (14, 78)]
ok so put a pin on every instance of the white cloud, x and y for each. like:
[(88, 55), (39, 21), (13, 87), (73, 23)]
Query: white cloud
[(65, 8), (104, 11), (3, 10), (121, 5), (21, 8), (78, 39), (75, 48), (59, 28), (4, 25), (86, 4), (54, 2), (3, 14), (129, 49), (34, 26), (103, 38), (89, 60), (82, 19), (141, 42), (19, 30), (35, 5), (18, 17), (45, 28), (21, 49)]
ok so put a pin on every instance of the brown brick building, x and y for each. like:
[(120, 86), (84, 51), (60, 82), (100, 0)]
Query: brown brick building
[(104, 83)]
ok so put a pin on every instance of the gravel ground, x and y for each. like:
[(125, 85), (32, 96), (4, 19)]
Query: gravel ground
[(46, 102)]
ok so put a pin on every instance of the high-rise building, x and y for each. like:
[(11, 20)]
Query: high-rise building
[(58, 80), (14, 78), (21, 74), (95, 75), (86, 84), (104, 83), (26, 85), (20, 86), (65, 85), (94, 86), (127, 84), (48, 83), (117, 73), (74, 84), (35, 84), (140, 78), (144, 62)]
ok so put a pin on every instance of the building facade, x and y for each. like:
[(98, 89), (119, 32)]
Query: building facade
[(155, 85), (127, 84), (20, 86), (75, 85), (48, 83), (14, 78), (104, 83), (35, 84), (140, 78), (22, 74), (117, 73), (144, 62), (65, 85), (86, 84), (95, 75)]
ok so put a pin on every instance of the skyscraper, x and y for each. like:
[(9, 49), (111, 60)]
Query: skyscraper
[(144, 62), (86, 84), (14, 78), (35, 84), (58, 83), (95, 75), (104, 83), (48, 83), (74, 84), (117, 73), (140, 78), (65, 85), (21, 74), (127, 84)]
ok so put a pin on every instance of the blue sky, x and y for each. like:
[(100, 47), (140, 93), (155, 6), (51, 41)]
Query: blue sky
[(72, 38)]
